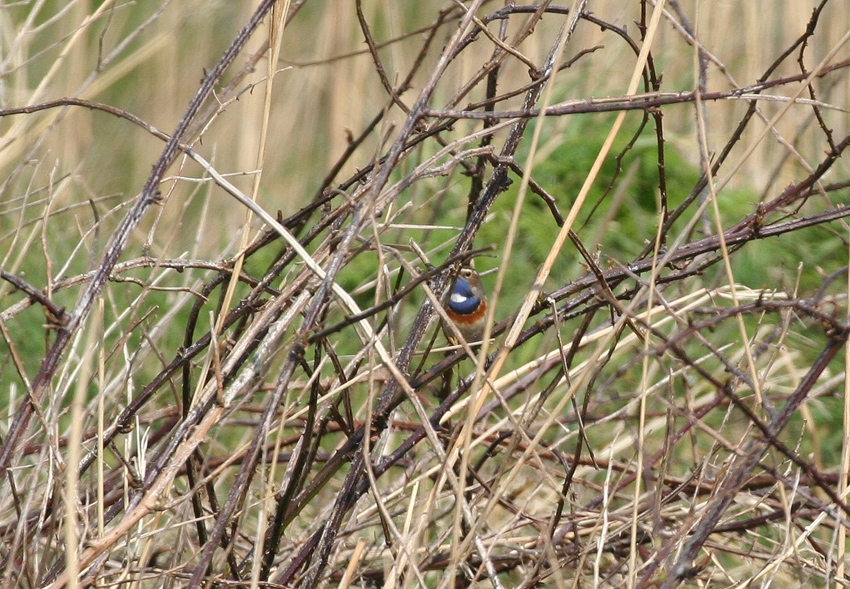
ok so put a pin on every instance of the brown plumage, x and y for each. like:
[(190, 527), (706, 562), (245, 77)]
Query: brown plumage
[(467, 306)]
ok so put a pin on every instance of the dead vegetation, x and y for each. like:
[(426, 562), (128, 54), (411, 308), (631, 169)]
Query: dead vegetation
[(234, 376)]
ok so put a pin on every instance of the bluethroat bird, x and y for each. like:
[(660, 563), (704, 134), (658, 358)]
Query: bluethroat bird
[(467, 306)]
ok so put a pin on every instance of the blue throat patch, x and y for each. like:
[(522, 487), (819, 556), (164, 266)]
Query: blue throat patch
[(466, 302)]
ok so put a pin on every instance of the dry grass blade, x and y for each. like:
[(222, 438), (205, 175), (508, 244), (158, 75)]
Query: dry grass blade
[(221, 355)]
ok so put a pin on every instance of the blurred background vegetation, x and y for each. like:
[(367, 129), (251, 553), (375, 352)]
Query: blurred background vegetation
[(69, 174)]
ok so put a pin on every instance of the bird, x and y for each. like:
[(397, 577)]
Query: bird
[(467, 306)]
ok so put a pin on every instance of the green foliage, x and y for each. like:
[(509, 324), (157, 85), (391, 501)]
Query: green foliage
[(562, 175), (645, 392)]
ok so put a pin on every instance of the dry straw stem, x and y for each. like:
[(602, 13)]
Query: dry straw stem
[(537, 288), (478, 395), (272, 403), (844, 472)]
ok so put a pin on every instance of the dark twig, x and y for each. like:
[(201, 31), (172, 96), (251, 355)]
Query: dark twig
[(753, 453)]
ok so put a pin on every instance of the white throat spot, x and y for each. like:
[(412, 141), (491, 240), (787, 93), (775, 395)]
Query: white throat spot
[(458, 298)]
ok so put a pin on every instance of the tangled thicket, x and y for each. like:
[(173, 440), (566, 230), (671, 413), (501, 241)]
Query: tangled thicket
[(196, 394)]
